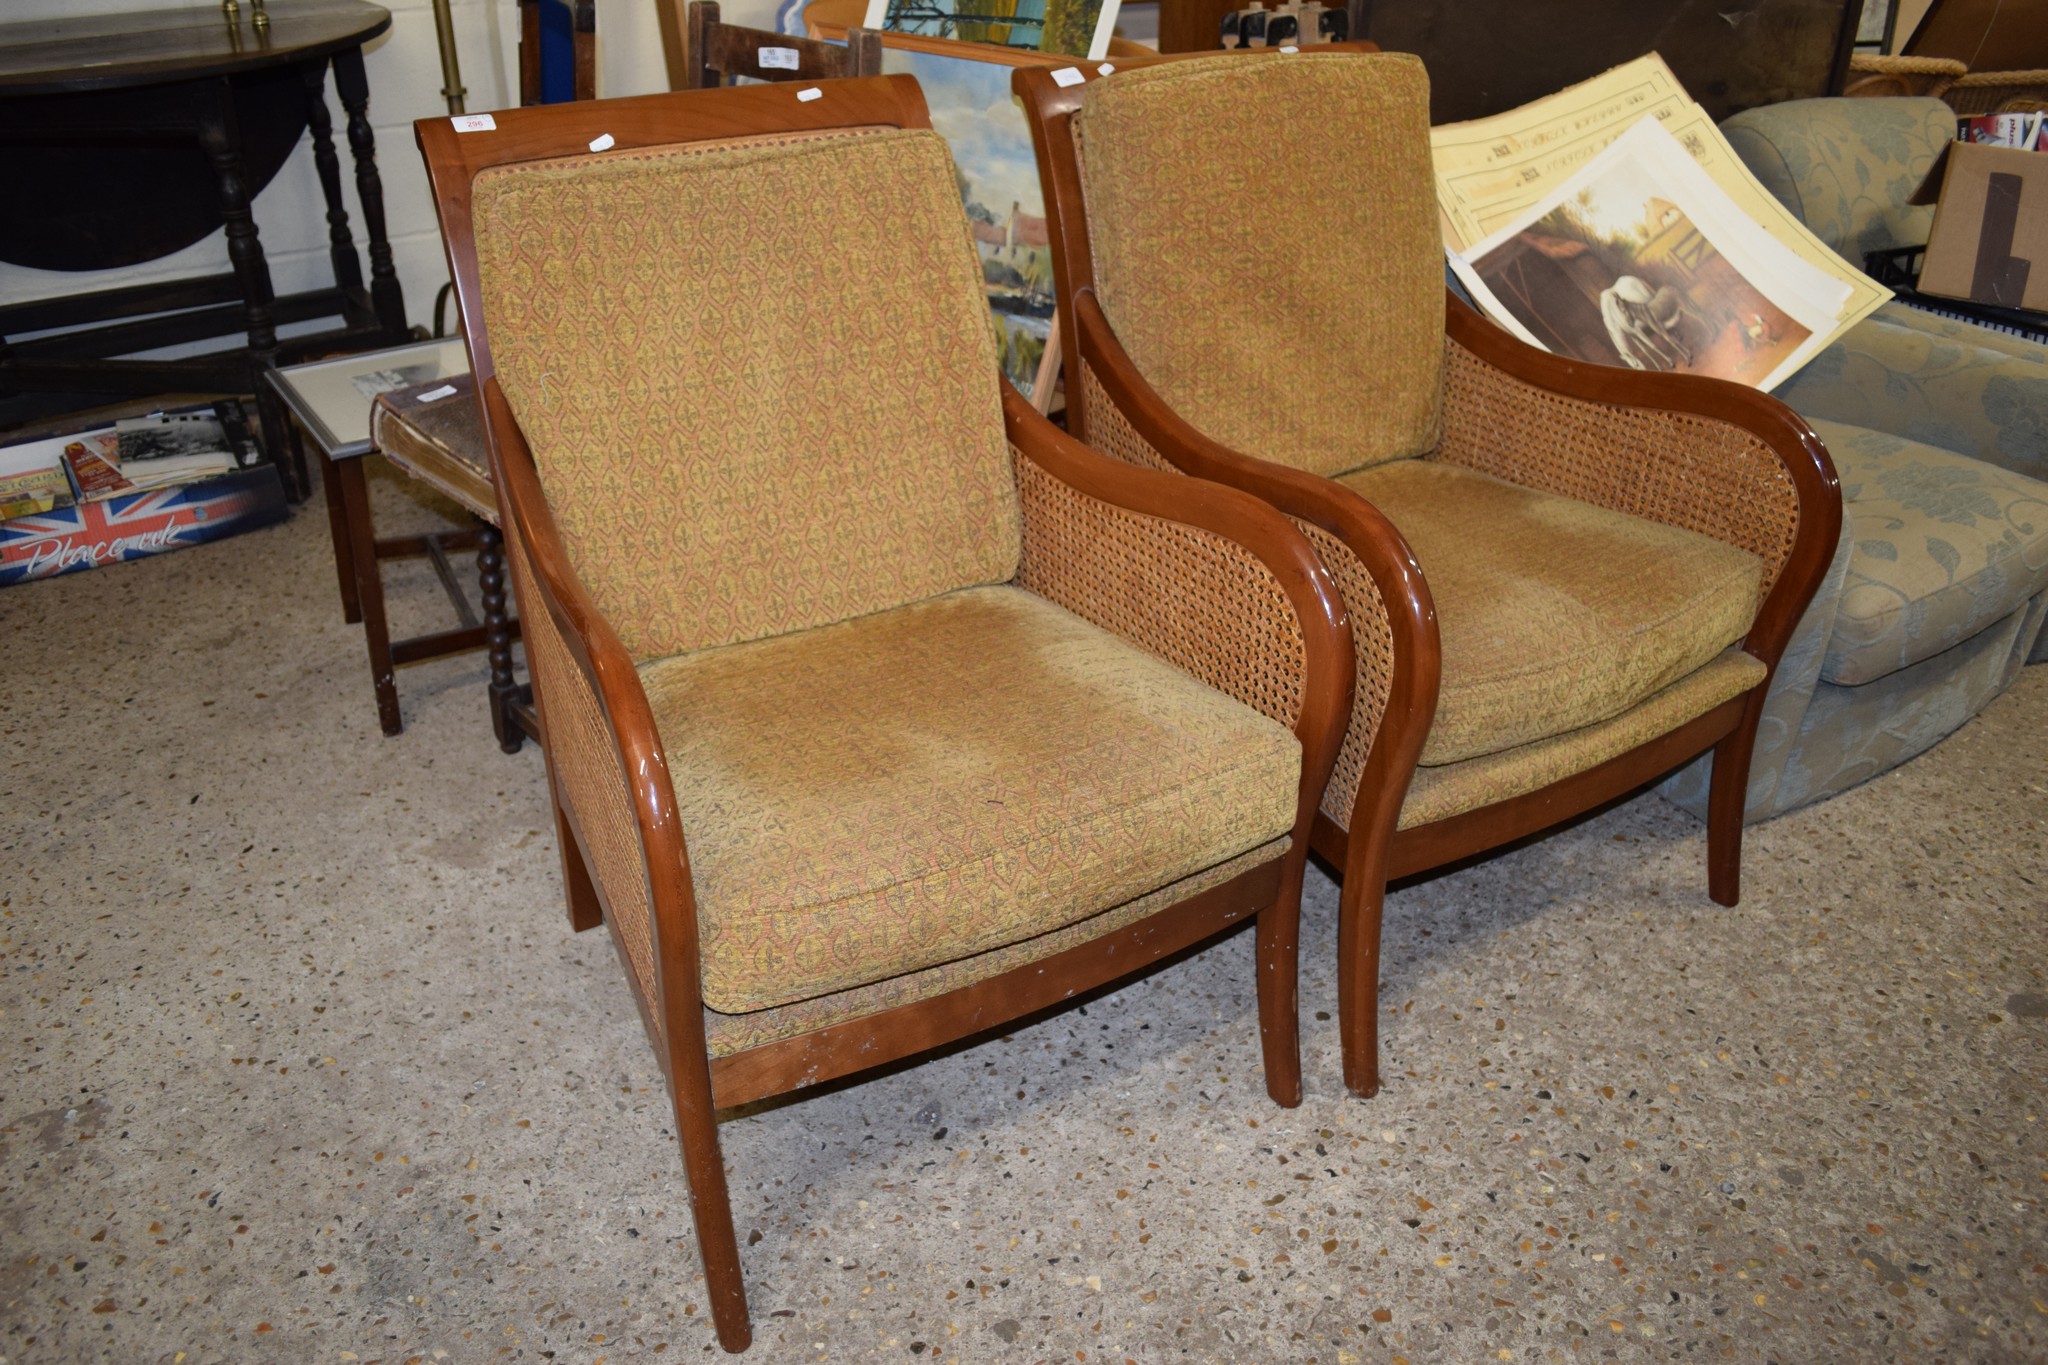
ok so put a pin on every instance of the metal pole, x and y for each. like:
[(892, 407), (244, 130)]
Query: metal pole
[(451, 69)]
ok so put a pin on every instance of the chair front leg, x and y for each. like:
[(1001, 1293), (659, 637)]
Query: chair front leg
[(1359, 910), (710, 1203), (1727, 795), (1279, 969)]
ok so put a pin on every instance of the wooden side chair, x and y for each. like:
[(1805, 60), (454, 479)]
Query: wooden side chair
[(718, 52), (1565, 580), (877, 711)]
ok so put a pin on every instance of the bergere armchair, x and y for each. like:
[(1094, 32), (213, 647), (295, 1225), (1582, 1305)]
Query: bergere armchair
[(1564, 580), (877, 712)]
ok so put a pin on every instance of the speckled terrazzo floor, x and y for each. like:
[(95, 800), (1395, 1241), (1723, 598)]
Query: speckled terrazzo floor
[(301, 1064)]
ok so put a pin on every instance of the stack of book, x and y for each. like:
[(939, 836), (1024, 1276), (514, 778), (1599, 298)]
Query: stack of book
[(2028, 132), (131, 487)]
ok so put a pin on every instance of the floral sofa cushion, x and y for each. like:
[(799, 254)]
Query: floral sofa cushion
[(1931, 379), (1943, 546)]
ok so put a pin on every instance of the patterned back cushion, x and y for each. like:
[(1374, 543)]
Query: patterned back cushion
[(758, 379), (1845, 166), (1265, 238)]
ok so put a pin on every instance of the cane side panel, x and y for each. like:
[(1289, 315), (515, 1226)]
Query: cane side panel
[(592, 778), (1202, 603), (1109, 431), (1676, 468)]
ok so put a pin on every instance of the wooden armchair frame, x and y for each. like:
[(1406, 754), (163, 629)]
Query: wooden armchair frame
[(600, 689), (1110, 405), (717, 51)]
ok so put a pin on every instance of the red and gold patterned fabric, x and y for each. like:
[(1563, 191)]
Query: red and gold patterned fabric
[(1283, 294), (887, 794), (1554, 614), (797, 421)]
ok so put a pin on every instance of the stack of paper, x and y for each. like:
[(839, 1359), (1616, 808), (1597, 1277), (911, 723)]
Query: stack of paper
[(1611, 222)]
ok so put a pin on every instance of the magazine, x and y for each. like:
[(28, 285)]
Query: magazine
[(1639, 259), (1491, 171), (32, 478), (160, 450)]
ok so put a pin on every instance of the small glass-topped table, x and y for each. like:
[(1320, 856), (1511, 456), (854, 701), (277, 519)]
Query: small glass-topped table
[(414, 405)]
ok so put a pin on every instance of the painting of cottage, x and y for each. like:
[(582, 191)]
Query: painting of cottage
[(973, 110)]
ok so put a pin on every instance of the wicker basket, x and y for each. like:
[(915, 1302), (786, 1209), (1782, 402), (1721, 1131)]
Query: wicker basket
[(1998, 92), (1872, 75)]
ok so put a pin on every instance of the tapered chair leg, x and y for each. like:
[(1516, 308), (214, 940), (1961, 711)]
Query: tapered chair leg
[(585, 912), (1358, 979), (1279, 967), (710, 1204), (1727, 794)]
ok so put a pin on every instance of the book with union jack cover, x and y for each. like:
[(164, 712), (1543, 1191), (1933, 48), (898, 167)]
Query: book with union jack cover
[(134, 526)]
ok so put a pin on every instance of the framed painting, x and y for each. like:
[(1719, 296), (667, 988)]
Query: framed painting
[(967, 86), (1068, 28)]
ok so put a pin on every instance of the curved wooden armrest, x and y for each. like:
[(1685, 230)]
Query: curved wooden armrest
[(1703, 454), (1399, 658), (605, 675), (1092, 544)]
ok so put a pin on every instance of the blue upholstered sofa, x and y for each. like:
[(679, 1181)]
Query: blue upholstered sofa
[(1939, 430)]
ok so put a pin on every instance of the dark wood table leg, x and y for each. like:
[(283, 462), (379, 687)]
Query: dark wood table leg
[(354, 89), (362, 540), (505, 692), (341, 247), (220, 137), (337, 528)]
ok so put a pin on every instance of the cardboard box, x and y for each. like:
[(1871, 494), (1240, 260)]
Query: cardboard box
[(1990, 237), (135, 525)]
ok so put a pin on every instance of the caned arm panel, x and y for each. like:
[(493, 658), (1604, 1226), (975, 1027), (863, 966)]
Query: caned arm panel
[(589, 773), (1687, 469), (1196, 599)]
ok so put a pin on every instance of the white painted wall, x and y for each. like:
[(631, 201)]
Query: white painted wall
[(404, 68)]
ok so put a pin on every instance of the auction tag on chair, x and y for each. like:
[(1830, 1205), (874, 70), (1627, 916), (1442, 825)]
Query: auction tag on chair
[(779, 58), (1068, 75), (474, 123), (807, 95)]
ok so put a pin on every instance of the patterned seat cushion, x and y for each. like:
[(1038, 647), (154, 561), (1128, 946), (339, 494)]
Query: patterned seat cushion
[(1944, 547), (1554, 614), (875, 797)]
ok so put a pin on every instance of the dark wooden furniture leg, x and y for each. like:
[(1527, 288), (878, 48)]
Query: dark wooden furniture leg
[(505, 692), (341, 248), (354, 89), (362, 553), (337, 526), (220, 137)]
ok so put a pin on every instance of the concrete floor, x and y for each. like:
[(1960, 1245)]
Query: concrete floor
[(303, 1065)]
